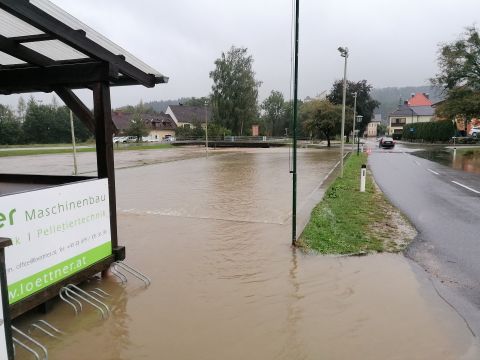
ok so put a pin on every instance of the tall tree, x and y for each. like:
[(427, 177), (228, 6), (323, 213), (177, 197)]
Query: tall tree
[(235, 90), (274, 114), (47, 124), (365, 103), (137, 126), (459, 76), (21, 109), (10, 127), (321, 118)]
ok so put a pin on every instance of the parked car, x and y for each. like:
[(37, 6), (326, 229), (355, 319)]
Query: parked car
[(386, 142), (149, 139), (119, 139), (168, 138), (475, 132), (130, 139)]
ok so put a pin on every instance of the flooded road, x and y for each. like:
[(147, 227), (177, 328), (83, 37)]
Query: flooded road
[(465, 159), (214, 236)]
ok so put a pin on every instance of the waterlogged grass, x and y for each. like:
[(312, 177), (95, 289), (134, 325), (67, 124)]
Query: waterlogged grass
[(40, 151), (43, 151), (347, 221)]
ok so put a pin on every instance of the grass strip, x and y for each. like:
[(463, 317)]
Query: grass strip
[(345, 221), (41, 151)]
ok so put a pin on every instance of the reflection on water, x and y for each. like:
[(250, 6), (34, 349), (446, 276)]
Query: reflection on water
[(463, 159), (214, 236)]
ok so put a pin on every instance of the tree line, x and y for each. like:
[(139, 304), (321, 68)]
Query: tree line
[(234, 100), (35, 123)]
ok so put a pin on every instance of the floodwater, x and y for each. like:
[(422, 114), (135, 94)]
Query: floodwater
[(466, 159), (214, 236)]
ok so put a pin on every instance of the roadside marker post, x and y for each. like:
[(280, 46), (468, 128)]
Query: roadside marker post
[(363, 176), (6, 342)]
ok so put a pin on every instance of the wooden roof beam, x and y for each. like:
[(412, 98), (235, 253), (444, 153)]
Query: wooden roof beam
[(34, 16)]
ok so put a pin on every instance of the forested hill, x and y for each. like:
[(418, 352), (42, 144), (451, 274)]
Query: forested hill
[(389, 97)]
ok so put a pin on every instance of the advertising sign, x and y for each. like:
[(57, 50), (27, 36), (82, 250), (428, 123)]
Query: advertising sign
[(3, 335), (56, 232)]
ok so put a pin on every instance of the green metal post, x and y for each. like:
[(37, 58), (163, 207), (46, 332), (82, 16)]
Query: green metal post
[(295, 112)]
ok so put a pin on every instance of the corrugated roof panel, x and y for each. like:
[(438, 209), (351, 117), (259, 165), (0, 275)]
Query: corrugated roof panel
[(55, 50), (101, 40), (11, 26), (6, 59)]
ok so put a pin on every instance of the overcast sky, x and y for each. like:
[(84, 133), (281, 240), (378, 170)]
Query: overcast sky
[(391, 43)]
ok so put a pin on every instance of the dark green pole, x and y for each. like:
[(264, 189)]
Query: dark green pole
[(295, 112)]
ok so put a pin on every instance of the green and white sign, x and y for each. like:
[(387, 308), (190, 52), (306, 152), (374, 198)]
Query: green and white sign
[(56, 232)]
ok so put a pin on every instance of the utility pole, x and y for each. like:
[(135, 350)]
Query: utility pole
[(73, 144), (354, 118), (344, 54), (295, 114)]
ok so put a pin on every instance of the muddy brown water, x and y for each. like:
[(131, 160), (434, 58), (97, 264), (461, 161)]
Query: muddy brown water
[(465, 159), (214, 236)]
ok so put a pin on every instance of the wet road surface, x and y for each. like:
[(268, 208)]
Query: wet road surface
[(214, 236), (443, 204)]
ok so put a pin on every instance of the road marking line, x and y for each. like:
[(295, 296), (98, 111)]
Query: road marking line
[(466, 187), (416, 162), (434, 172)]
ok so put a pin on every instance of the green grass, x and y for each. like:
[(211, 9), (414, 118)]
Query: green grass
[(42, 151), (344, 221)]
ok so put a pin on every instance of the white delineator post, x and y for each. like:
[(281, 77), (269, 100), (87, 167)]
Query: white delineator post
[(363, 177)]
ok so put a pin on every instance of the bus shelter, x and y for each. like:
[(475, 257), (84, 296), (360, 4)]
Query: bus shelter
[(63, 228)]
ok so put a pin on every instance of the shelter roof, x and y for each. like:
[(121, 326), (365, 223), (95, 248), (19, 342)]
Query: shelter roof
[(42, 48)]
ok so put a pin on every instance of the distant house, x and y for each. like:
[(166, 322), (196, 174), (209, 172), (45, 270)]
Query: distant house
[(159, 125), (417, 109), (189, 116), (372, 127)]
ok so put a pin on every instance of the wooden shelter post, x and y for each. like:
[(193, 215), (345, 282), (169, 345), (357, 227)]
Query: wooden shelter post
[(105, 162)]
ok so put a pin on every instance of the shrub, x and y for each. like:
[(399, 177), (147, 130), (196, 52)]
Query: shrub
[(429, 131)]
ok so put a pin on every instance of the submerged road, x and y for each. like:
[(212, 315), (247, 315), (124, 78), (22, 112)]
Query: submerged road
[(444, 206)]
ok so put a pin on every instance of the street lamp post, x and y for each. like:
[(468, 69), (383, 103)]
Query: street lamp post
[(359, 119), (354, 117), (206, 127), (344, 54)]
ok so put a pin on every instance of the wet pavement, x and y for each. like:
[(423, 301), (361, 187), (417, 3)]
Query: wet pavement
[(214, 236), (442, 203)]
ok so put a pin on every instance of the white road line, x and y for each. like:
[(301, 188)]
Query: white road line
[(433, 172), (416, 162), (466, 187)]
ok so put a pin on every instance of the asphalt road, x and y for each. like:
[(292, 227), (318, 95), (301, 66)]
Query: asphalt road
[(444, 206)]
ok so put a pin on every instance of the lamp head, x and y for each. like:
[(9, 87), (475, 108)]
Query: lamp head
[(343, 51)]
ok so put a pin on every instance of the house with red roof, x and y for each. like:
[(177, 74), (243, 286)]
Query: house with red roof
[(414, 110), (419, 99)]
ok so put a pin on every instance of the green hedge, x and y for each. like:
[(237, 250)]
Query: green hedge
[(429, 131)]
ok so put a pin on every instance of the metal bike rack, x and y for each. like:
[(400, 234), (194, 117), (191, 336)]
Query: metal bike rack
[(120, 266), (73, 295), (26, 347), (33, 341), (99, 292), (43, 325)]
